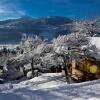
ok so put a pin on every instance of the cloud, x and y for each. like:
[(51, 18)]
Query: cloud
[(10, 9), (3, 9)]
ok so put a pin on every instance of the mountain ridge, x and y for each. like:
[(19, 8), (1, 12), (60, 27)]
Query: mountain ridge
[(36, 26), (46, 27)]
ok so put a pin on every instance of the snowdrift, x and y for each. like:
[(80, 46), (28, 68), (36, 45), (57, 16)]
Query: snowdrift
[(50, 86)]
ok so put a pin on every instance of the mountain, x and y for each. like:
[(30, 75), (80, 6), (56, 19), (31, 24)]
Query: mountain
[(12, 29)]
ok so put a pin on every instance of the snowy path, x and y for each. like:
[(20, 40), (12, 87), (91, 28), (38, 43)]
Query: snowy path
[(50, 87)]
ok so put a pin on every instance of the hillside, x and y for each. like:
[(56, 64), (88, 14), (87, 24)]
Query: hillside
[(50, 87)]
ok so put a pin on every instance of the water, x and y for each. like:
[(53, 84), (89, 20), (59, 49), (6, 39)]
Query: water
[(9, 46)]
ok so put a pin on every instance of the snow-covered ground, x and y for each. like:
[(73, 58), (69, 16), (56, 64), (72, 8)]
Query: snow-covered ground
[(51, 86)]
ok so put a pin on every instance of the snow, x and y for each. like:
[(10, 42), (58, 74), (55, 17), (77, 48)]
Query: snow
[(94, 47), (95, 41), (9, 46), (51, 86)]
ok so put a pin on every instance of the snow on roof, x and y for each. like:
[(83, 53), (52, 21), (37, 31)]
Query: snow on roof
[(95, 41), (94, 47)]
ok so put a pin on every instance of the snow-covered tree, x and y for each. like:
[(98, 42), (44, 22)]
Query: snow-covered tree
[(29, 43), (43, 49), (63, 43), (52, 59)]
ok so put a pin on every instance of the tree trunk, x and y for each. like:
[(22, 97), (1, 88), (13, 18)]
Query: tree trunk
[(67, 72), (32, 65)]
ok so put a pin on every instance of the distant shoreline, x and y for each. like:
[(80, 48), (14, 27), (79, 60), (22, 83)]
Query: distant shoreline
[(8, 46)]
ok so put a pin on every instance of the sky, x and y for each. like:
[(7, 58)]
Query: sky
[(76, 9)]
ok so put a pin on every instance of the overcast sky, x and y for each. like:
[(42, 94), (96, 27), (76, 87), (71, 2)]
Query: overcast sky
[(77, 9)]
